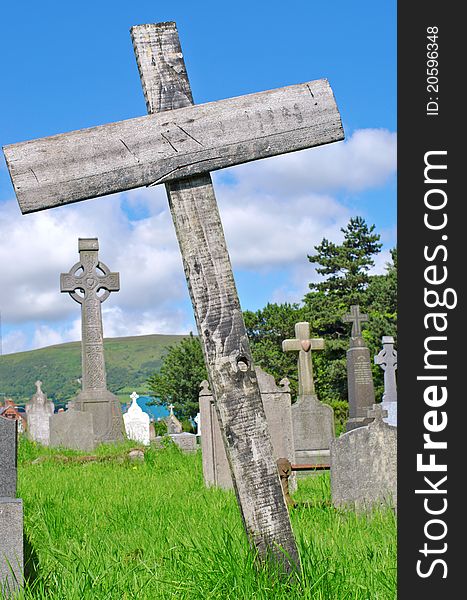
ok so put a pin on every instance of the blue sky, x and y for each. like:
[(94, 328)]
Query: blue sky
[(66, 66)]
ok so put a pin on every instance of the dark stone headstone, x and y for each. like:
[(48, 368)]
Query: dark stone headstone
[(8, 457), (359, 376)]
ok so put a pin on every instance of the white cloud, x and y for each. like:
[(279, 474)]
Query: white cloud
[(273, 213)]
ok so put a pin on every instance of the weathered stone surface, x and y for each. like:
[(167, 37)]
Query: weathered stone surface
[(303, 344), (72, 429), (173, 424), (8, 441), (185, 441), (137, 422), (359, 376), (38, 411), (11, 546), (83, 282), (277, 407), (387, 360), (313, 430), (364, 465)]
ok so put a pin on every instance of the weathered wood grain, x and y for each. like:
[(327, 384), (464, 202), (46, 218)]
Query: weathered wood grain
[(162, 147), (218, 315)]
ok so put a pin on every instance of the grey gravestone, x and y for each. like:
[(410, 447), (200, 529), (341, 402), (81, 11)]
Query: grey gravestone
[(313, 421), (72, 429), (38, 412), (185, 441), (387, 360), (359, 376), (364, 465), (83, 282), (276, 403), (11, 546), (136, 422), (173, 424), (11, 513), (8, 441)]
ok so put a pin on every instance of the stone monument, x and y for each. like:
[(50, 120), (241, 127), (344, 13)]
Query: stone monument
[(11, 513), (313, 421), (364, 465), (72, 429), (276, 402), (387, 360), (173, 424), (38, 412), (137, 422), (83, 282), (359, 377)]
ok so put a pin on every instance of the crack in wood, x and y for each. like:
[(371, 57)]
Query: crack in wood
[(132, 153), (169, 142), (190, 136)]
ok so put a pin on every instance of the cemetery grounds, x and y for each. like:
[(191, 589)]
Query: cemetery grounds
[(115, 529)]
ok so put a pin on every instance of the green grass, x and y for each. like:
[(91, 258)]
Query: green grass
[(119, 530)]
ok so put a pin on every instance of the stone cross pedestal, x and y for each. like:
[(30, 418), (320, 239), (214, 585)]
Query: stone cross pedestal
[(89, 282), (359, 376), (136, 422), (11, 513), (313, 421), (179, 148), (38, 411), (387, 360)]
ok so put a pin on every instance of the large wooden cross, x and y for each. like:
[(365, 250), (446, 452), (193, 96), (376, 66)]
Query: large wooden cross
[(178, 144)]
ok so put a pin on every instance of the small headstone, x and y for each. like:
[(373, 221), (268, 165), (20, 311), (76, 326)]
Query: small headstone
[(8, 444), (136, 455), (38, 411), (136, 422), (313, 421), (387, 360), (72, 429), (359, 376), (364, 465), (185, 441), (152, 432), (173, 424)]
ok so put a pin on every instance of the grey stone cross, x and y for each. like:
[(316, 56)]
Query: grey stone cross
[(377, 413), (178, 144), (387, 360), (90, 276), (38, 385), (303, 344), (356, 318)]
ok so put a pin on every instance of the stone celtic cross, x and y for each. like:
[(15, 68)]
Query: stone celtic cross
[(89, 282), (387, 360), (303, 344), (83, 282), (356, 318), (178, 144)]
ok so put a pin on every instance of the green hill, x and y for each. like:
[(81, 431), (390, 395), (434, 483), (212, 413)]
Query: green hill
[(129, 362)]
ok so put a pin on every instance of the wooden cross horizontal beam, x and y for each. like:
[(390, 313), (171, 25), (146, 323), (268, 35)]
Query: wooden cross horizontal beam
[(159, 148)]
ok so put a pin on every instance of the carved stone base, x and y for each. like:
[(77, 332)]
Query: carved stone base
[(106, 413)]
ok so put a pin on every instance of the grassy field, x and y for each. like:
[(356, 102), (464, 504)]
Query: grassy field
[(114, 529)]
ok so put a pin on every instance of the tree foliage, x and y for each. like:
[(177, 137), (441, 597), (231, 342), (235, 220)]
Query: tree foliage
[(178, 381)]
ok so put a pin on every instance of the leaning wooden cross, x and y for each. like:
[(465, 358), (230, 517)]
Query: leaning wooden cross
[(178, 144)]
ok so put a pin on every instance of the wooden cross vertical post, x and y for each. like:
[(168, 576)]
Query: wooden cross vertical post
[(218, 314)]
